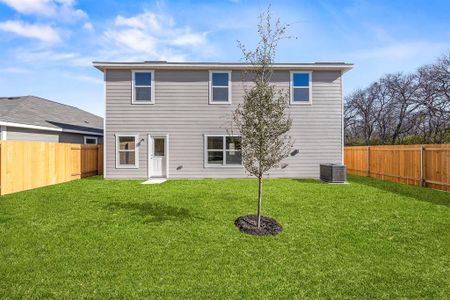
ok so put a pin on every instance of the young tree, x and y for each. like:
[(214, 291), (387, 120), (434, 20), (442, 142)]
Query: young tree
[(262, 120)]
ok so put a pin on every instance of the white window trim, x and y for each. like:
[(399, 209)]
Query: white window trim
[(210, 100), (291, 88), (205, 152), (136, 150), (90, 137), (133, 88), (2, 133)]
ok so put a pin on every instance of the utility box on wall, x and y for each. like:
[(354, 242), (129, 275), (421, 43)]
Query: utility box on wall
[(333, 173)]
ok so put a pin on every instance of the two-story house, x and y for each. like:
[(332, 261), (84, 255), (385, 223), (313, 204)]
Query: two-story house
[(166, 119)]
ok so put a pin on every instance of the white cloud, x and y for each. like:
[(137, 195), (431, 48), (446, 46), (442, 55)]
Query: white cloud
[(134, 39), (85, 78), (14, 70), (406, 56), (88, 26), (381, 34), (42, 7), (154, 36), (50, 57), (145, 21), (62, 9), (403, 50), (44, 33), (190, 39)]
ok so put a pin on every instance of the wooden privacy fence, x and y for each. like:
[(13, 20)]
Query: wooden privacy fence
[(422, 165), (28, 165)]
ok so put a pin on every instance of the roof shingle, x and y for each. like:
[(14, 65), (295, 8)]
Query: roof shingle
[(32, 110)]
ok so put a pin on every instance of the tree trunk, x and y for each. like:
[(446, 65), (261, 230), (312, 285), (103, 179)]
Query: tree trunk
[(260, 190)]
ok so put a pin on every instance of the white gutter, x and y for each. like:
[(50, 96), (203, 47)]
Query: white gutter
[(20, 125), (199, 66)]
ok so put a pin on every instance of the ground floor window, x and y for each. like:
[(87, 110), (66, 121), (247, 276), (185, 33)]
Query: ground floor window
[(222, 150), (127, 155), (91, 140)]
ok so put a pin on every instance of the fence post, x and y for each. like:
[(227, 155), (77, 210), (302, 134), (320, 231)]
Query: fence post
[(422, 168), (0, 168), (100, 160), (368, 161)]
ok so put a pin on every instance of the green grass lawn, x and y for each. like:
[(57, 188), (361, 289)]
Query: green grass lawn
[(96, 238)]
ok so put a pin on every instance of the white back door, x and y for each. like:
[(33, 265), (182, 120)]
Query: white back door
[(157, 156)]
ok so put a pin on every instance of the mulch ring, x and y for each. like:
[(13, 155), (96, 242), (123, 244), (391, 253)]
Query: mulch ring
[(248, 224)]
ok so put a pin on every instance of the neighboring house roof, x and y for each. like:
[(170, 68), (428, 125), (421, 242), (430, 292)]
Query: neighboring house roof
[(39, 113), (341, 66)]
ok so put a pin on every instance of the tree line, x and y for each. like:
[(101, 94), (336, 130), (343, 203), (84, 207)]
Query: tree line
[(402, 108)]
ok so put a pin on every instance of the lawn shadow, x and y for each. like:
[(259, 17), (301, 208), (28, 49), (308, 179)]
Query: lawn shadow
[(4, 219), (419, 193), (152, 212), (93, 178), (307, 180)]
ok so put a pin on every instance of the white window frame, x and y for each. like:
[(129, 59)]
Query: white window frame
[(90, 137), (2, 133), (291, 90), (136, 152), (210, 100), (224, 150), (133, 88)]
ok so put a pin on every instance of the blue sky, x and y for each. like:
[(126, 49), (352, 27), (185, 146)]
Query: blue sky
[(47, 46)]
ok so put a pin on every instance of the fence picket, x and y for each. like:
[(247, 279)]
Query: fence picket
[(26, 165), (422, 165)]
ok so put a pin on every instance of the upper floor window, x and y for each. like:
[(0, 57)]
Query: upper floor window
[(143, 87), (301, 87), (220, 87)]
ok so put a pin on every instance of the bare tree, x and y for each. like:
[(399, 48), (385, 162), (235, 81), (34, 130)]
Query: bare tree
[(362, 104), (403, 88), (262, 120), (402, 108), (384, 109)]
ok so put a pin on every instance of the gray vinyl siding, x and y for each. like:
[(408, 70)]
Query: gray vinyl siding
[(181, 110), (27, 134), (75, 138), (72, 138)]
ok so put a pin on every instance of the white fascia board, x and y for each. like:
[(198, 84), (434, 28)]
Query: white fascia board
[(180, 66), (28, 126), (82, 132)]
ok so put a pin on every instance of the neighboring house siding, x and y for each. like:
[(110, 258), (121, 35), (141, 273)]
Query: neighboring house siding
[(181, 110), (26, 134), (73, 138)]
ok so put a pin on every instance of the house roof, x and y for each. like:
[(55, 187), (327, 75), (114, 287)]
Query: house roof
[(340, 66), (39, 113)]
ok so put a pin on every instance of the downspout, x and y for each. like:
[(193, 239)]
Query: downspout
[(342, 119), (104, 126)]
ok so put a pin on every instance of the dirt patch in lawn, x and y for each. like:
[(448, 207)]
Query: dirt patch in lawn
[(248, 224)]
